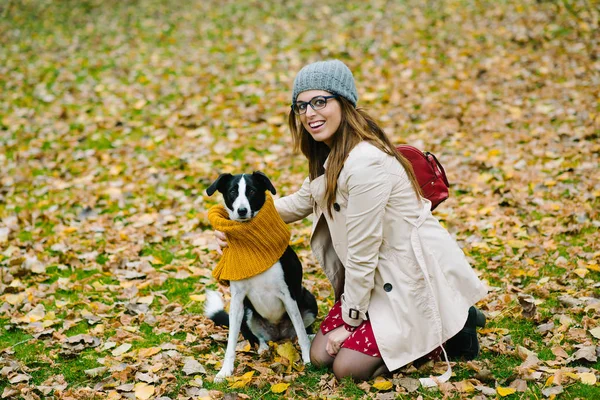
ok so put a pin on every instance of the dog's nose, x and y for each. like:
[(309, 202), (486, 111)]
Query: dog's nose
[(242, 211)]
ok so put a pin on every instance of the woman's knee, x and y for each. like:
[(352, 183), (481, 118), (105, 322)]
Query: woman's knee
[(320, 358), (318, 355), (358, 366), (343, 370)]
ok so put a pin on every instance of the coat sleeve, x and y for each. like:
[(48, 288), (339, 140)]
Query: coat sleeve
[(296, 206), (369, 189)]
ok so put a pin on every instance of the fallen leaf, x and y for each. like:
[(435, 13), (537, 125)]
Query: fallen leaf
[(519, 384), (587, 378), (287, 350), (382, 384), (19, 378), (37, 314), (410, 384), (584, 353), (552, 391), (528, 307), (145, 299), (488, 391), (581, 272), (501, 331), (122, 349), (192, 367), (464, 386), (148, 352), (241, 381), (279, 387), (505, 391), (95, 371), (143, 391)]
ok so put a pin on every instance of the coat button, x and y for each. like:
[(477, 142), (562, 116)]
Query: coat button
[(387, 287), (336, 206)]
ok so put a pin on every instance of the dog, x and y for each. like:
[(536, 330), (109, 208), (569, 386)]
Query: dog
[(272, 305)]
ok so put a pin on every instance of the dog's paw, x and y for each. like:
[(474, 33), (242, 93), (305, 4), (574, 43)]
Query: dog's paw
[(222, 375), (263, 348), (306, 360)]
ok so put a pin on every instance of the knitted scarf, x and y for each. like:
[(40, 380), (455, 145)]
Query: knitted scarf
[(253, 246)]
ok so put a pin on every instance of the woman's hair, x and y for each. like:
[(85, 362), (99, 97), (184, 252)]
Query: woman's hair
[(355, 126)]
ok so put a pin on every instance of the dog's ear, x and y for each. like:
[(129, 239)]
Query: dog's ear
[(219, 184), (260, 177)]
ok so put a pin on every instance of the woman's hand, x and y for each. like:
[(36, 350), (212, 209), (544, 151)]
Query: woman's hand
[(221, 241), (335, 339)]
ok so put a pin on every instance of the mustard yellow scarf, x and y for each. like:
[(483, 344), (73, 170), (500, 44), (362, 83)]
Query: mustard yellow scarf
[(253, 246)]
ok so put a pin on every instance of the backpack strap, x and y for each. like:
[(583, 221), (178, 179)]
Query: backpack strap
[(432, 158)]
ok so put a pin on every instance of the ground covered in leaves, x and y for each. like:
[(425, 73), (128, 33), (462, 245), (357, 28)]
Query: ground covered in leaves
[(116, 115)]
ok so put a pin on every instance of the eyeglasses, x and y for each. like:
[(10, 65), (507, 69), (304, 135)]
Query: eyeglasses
[(317, 103)]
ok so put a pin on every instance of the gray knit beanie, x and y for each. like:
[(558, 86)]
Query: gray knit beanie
[(332, 76)]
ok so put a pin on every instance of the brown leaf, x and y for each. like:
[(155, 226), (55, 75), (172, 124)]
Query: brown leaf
[(528, 307), (587, 353)]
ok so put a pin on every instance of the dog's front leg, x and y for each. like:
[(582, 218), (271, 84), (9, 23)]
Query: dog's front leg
[(236, 314), (292, 309)]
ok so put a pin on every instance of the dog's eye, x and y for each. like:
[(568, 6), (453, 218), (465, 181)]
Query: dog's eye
[(233, 192), (251, 192)]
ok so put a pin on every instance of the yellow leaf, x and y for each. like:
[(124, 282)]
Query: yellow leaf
[(504, 391), (288, 351), (581, 272), (197, 297), (587, 378), (572, 375), (593, 267), (465, 386), (382, 384), (239, 382), (516, 244), (549, 381), (502, 331), (279, 387), (143, 391), (149, 352)]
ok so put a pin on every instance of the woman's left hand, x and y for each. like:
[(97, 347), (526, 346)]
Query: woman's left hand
[(335, 339)]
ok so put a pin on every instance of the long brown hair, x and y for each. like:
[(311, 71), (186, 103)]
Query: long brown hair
[(355, 126)]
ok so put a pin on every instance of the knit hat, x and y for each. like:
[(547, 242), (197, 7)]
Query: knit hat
[(332, 76)]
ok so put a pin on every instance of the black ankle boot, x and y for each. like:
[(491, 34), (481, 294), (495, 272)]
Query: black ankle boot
[(465, 345)]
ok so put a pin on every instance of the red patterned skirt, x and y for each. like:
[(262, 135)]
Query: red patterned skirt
[(362, 339)]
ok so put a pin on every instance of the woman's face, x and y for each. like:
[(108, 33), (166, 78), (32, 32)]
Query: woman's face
[(321, 124)]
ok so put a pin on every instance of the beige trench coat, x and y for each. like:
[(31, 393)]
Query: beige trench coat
[(386, 256)]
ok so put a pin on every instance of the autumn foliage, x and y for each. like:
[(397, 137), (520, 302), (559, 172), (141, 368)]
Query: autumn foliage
[(116, 115)]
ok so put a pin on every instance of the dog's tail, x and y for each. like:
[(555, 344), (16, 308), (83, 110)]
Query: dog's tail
[(214, 308)]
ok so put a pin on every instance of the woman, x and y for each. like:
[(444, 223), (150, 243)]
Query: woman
[(402, 285)]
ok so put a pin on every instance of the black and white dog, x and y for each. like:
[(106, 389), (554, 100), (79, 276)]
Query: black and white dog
[(267, 307)]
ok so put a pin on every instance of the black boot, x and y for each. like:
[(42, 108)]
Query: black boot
[(465, 345)]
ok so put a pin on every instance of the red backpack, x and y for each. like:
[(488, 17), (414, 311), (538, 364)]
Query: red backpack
[(429, 172)]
